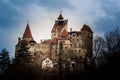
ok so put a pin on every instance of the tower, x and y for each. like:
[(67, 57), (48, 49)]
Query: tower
[(27, 34), (59, 26), (87, 42), (25, 45)]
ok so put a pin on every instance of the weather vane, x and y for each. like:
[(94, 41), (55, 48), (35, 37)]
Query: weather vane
[(60, 11), (27, 21)]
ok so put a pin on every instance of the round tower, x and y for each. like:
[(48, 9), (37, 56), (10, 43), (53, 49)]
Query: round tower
[(87, 41)]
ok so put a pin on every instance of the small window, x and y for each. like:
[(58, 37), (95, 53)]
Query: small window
[(74, 44), (55, 51), (73, 65), (73, 35), (73, 40), (77, 39), (47, 61), (71, 45), (60, 22), (77, 34)]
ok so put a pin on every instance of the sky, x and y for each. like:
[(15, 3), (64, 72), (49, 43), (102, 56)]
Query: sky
[(100, 15)]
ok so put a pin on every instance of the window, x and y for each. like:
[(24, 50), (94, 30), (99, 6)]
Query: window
[(77, 34), (60, 22), (74, 44), (73, 40), (71, 45), (77, 39), (47, 61), (73, 35), (55, 51), (73, 65)]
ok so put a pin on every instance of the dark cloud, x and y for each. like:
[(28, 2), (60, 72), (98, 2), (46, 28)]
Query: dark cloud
[(112, 18), (101, 15)]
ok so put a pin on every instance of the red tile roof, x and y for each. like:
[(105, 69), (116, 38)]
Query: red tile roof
[(86, 28), (55, 41), (60, 16), (58, 27), (46, 41), (27, 33), (64, 33), (50, 41)]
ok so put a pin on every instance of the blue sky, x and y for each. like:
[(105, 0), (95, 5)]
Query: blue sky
[(100, 15)]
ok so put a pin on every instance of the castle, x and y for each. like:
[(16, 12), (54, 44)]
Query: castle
[(73, 46)]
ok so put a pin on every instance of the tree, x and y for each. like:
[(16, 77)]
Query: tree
[(60, 57), (112, 39), (4, 60), (98, 48), (23, 55)]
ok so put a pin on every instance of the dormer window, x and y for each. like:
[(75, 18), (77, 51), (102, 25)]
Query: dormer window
[(60, 22)]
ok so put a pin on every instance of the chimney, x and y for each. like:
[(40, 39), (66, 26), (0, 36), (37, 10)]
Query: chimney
[(19, 39), (41, 40), (70, 29)]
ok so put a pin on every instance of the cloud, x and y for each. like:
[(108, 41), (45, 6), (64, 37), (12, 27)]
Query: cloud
[(8, 39), (100, 15)]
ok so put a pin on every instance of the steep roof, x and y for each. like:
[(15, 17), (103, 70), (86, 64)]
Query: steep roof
[(50, 41), (59, 23), (46, 41), (86, 28), (58, 26), (54, 41), (27, 33), (60, 16), (64, 33)]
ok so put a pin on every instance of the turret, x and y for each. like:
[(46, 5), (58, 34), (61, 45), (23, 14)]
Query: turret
[(87, 40), (59, 25), (27, 34)]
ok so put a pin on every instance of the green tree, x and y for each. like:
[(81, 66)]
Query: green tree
[(23, 55), (60, 57), (4, 60)]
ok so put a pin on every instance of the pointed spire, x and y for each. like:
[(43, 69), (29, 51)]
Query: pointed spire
[(60, 16), (27, 33)]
